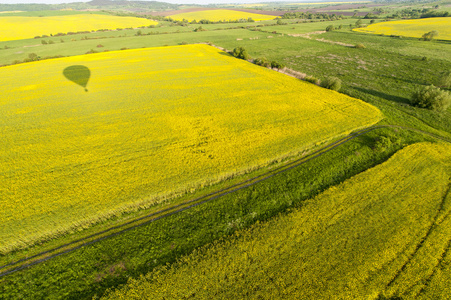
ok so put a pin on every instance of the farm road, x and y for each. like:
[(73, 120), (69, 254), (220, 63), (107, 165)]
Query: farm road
[(41, 257)]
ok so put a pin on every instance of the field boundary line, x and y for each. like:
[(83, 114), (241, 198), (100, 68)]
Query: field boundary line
[(26, 262)]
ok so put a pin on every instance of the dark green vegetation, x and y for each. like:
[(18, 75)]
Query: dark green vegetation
[(431, 97), (385, 73)]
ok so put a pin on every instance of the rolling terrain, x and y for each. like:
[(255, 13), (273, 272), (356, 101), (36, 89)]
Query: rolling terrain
[(172, 169)]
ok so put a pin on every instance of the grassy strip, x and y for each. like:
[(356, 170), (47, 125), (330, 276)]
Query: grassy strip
[(92, 269)]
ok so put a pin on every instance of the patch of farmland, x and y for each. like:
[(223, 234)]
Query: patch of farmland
[(383, 233), (411, 28), (217, 15), (17, 28), (152, 122)]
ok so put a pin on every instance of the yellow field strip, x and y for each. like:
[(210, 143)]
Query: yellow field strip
[(217, 15), (411, 28), (18, 28)]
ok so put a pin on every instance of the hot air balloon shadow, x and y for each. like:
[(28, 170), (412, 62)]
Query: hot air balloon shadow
[(78, 74)]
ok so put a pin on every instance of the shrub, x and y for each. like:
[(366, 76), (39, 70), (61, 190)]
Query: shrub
[(330, 28), (331, 83), (198, 29), (444, 80), (262, 62), (44, 42), (277, 65), (33, 57), (99, 46), (240, 52), (429, 36), (360, 46), (92, 51), (51, 42), (312, 79), (431, 97)]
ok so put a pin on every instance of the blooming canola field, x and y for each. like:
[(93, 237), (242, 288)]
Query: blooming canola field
[(17, 28), (88, 137), (217, 15), (411, 28), (384, 231)]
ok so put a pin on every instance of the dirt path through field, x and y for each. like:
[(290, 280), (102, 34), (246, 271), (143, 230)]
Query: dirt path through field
[(306, 35)]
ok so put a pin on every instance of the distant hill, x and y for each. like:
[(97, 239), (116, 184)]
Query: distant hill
[(154, 5), (95, 4)]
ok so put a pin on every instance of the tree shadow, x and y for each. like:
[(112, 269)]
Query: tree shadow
[(383, 95), (404, 80), (78, 74), (226, 53)]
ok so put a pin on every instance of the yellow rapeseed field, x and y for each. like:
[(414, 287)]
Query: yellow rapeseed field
[(17, 28), (329, 3), (220, 15), (152, 122), (412, 28), (384, 232)]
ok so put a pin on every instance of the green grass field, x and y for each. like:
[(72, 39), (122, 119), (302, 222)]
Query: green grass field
[(383, 232)]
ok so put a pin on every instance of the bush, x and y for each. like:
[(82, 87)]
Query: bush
[(262, 62), (33, 57), (277, 65), (199, 29), (360, 46), (330, 28), (312, 79), (431, 97), (92, 51), (444, 80), (429, 36), (44, 42), (51, 42), (331, 83), (240, 52)]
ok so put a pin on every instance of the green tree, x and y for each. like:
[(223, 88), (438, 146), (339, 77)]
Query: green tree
[(330, 28), (277, 65), (331, 83), (431, 97), (240, 52), (444, 80), (33, 56), (429, 36)]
